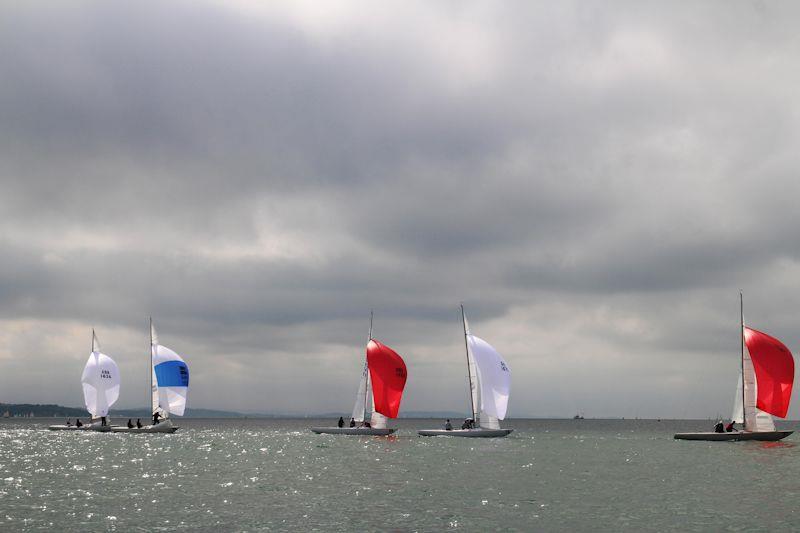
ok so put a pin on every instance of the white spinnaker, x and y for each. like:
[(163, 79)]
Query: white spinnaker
[(493, 375), (756, 419), (100, 381), (361, 396), (172, 389), (489, 422)]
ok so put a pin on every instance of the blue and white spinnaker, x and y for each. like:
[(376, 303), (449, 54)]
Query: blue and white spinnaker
[(170, 379)]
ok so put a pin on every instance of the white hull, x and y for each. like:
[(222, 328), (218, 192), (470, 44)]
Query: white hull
[(471, 433), (353, 431), (162, 427), (734, 435), (85, 427)]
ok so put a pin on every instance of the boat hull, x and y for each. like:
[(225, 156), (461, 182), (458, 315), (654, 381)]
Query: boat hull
[(734, 435), (62, 427), (469, 433), (353, 431), (158, 428)]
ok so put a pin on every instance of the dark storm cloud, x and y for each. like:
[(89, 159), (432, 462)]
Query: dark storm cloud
[(595, 182)]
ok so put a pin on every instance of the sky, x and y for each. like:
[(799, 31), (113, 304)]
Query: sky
[(595, 181)]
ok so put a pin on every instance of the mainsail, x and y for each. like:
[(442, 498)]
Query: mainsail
[(472, 371), (100, 381), (494, 380), (387, 372), (768, 368), (361, 396), (170, 376)]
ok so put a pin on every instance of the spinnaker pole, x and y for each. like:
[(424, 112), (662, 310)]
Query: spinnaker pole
[(469, 372)]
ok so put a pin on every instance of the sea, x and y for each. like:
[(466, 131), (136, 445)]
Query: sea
[(275, 475)]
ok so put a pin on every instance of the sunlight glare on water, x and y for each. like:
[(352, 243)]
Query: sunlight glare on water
[(228, 475)]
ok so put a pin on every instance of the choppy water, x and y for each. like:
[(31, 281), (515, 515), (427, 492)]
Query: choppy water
[(231, 475)]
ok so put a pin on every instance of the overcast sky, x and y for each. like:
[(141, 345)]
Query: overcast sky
[(594, 180)]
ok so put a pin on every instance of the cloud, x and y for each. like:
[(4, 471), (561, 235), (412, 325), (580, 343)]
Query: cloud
[(595, 184)]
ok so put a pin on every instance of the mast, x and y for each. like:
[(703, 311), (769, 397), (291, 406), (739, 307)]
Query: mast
[(741, 334), (150, 370), (366, 369), (469, 372)]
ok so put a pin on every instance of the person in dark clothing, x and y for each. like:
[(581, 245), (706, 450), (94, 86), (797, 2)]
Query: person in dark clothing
[(156, 416), (719, 427), (102, 421), (352, 422), (341, 422), (130, 424), (367, 425), (139, 423), (78, 423), (729, 428), (448, 426)]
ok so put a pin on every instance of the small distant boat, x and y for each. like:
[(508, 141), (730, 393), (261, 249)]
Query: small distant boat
[(169, 388), (100, 381), (382, 380), (489, 389), (578, 417), (765, 388)]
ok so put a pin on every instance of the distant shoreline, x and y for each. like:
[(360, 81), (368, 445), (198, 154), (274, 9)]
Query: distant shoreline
[(26, 410)]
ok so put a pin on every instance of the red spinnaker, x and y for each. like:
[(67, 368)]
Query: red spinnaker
[(774, 367), (387, 370)]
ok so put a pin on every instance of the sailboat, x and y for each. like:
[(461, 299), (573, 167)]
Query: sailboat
[(100, 381), (489, 389), (764, 389), (169, 388), (382, 379)]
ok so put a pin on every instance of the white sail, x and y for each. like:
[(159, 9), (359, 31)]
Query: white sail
[(475, 384), (494, 377), (361, 396), (171, 380), (100, 381), (473, 373), (378, 420), (154, 403), (744, 406), (738, 415), (489, 422)]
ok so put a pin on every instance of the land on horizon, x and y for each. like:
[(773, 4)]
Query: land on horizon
[(59, 411)]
